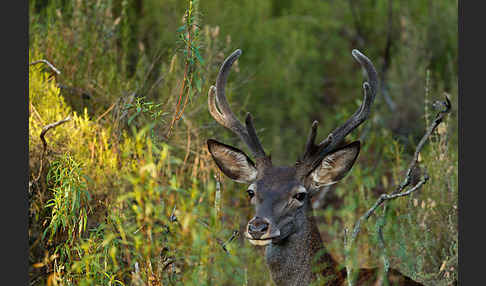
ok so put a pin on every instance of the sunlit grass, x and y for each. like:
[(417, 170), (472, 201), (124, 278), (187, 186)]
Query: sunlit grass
[(117, 203)]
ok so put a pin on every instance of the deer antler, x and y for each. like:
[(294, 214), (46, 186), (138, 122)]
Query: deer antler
[(221, 112), (314, 153)]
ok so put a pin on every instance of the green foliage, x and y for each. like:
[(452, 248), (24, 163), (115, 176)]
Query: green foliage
[(70, 201), (148, 108), (141, 212), (119, 202)]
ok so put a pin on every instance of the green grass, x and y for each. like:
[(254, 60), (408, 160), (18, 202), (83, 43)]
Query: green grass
[(120, 200)]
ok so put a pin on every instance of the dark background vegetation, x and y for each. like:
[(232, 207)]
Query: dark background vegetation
[(126, 192)]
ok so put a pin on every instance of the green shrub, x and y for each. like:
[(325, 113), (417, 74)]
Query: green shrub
[(116, 201)]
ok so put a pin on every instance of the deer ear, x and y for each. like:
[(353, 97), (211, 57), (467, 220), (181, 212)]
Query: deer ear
[(233, 162), (335, 166)]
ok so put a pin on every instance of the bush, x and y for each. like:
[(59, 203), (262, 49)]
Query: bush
[(118, 199)]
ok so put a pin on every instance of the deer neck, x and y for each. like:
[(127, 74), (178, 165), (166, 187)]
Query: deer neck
[(291, 261)]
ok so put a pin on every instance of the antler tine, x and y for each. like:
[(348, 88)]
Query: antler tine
[(222, 113), (253, 136), (314, 152), (310, 146)]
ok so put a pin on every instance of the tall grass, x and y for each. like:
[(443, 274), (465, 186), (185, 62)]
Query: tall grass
[(119, 202), (69, 204)]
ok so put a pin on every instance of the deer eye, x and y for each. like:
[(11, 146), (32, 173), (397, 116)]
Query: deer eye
[(251, 193), (300, 196)]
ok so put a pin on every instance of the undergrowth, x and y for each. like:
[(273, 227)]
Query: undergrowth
[(126, 192)]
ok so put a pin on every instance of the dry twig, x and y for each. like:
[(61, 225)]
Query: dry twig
[(106, 112), (399, 191), (44, 143), (51, 66), (233, 236)]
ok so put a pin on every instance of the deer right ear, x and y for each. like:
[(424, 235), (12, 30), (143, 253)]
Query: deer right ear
[(233, 162), (335, 166)]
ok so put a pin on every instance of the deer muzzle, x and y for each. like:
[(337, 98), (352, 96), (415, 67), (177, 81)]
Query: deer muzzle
[(260, 231)]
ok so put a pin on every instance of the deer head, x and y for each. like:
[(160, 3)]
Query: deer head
[(281, 195)]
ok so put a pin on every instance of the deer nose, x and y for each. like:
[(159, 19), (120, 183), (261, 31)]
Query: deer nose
[(257, 227)]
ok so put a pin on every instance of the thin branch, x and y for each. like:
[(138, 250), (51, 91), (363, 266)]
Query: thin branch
[(188, 76), (380, 201), (438, 119), (106, 112), (51, 66), (49, 127), (44, 143), (399, 191), (233, 236)]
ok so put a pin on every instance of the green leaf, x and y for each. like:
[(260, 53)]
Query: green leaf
[(181, 28), (44, 234), (133, 116), (196, 52)]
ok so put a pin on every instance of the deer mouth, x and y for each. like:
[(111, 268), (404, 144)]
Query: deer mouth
[(276, 235), (264, 240), (260, 242)]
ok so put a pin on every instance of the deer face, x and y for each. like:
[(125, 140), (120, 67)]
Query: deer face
[(279, 200), (281, 195)]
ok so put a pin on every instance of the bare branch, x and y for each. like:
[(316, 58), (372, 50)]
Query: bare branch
[(233, 236), (399, 191), (49, 127), (51, 66), (438, 119), (106, 112), (44, 143), (380, 201)]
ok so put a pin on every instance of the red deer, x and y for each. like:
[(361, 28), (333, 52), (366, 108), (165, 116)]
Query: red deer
[(283, 221)]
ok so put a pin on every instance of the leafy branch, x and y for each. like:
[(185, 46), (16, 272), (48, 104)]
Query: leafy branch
[(189, 35)]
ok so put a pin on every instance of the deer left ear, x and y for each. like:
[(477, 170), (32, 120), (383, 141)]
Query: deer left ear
[(335, 166), (233, 162)]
